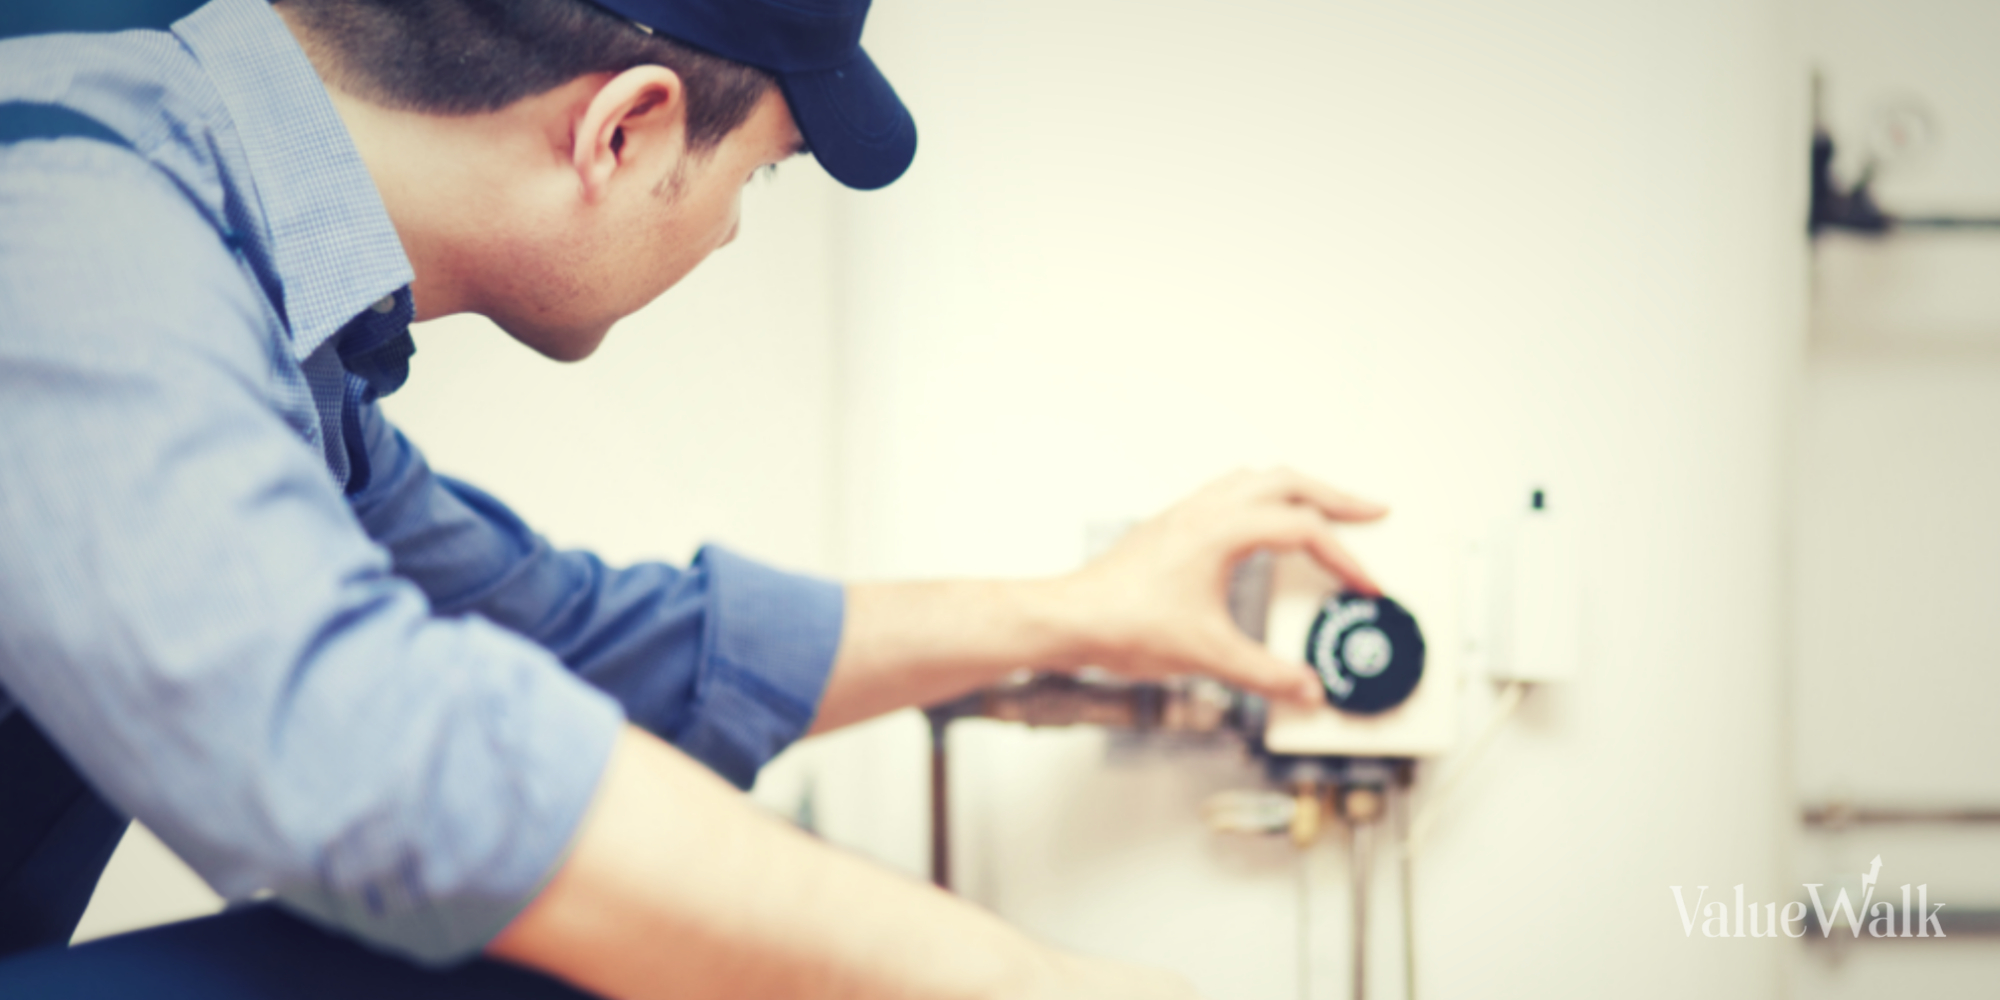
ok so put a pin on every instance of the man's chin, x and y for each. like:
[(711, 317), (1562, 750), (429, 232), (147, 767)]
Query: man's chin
[(567, 344)]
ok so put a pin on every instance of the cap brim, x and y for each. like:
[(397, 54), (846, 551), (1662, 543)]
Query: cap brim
[(852, 120)]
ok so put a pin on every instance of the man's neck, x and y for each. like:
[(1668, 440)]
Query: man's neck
[(458, 188)]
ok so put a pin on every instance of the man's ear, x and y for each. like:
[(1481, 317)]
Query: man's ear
[(637, 116)]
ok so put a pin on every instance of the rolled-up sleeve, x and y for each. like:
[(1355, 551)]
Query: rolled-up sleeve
[(726, 658), (191, 610)]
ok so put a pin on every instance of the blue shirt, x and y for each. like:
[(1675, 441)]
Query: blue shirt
[(235, 595)]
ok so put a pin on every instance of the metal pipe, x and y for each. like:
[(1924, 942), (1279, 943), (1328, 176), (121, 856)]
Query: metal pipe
[(1361, 807), (940, 803), (1399, 811), (1836, 815), (1175, 706), (1178, 706), (1942, 222), (1305, 924), (1971, 922), (1360, 850)]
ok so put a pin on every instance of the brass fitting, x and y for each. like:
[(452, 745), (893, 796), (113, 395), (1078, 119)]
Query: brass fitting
[(1305, 814)]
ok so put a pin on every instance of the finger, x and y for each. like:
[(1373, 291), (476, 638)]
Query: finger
[(1303, 528), (1295, 487), (1235, 482), (1242, 663), (1287, 527), (1334, 557)]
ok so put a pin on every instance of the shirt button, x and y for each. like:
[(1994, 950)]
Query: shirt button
[(386, 306)]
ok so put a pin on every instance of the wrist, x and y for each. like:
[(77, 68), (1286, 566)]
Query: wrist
[(1062, 622)]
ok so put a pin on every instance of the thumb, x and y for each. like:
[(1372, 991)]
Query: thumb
[(1246, 664)]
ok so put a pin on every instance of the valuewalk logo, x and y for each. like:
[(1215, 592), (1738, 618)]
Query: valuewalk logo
[(1715, 917)]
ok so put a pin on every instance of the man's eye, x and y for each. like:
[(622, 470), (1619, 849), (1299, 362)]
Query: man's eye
[(768, 171)]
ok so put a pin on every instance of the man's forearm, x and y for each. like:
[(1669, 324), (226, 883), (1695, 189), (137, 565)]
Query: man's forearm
[(1153, 606), (677, 886), (921, 643)]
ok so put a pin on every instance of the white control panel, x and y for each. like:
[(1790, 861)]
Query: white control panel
[(1420, 573)]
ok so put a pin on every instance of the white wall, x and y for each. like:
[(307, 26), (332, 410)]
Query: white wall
[(1433, 252)]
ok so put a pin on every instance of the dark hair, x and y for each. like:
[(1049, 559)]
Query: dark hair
[(461, 57)]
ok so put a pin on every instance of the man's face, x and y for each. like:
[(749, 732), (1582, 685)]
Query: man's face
[(650, 230)]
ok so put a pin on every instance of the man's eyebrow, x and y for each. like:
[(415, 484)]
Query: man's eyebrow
[(799, 148)]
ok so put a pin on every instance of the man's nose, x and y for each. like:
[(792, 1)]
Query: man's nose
[(735, 226)]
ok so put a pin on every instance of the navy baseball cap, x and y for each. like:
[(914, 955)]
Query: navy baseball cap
[(850, 117)]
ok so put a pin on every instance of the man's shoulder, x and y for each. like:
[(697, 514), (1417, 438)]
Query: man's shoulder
[(145, 87), (124, 245), (102, 252), (126, 79)]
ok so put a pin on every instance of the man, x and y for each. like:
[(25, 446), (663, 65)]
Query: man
[(236, 604)]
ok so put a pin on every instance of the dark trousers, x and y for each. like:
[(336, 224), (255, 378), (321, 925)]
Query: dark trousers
[(56, 835)]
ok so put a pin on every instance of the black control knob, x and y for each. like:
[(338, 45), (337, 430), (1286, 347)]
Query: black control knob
[(1368, 652)]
